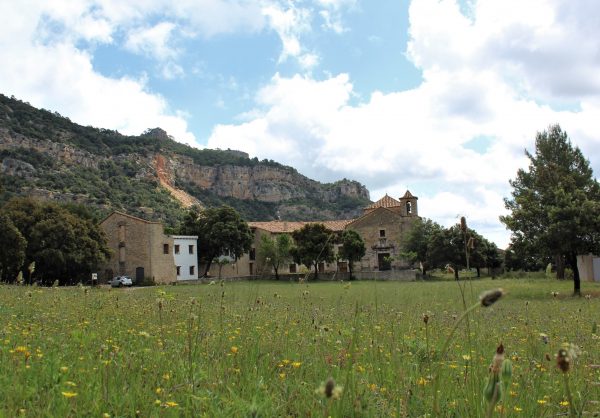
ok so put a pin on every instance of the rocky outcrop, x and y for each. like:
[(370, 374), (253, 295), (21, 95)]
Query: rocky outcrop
[(260, 182), (57, 150)]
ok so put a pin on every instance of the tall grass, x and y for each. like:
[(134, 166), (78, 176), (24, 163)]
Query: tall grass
[(269, 349)]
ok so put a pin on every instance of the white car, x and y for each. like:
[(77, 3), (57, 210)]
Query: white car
[(121, 281)]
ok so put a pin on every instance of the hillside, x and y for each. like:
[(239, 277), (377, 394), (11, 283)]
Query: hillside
[(45, 155)]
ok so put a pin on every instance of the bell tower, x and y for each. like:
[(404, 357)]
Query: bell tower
[(409, 204)]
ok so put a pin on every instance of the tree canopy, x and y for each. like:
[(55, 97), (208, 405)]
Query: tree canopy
[(314, 244), (275, 251), (555, 204), (352, 249), (220, 231), (65, 246)]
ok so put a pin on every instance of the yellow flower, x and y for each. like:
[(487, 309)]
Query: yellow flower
[(517, 409), (282, 375), (69, 394), (422, 381), (542, 401), (69, 383), (166, 376), (158, 391), (21, 349), (296, 364), (171, 404), (64, 369), (234, 349), (564, 403), (466, 357)]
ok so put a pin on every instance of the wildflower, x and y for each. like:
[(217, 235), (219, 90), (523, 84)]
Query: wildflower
[(425, 318), (234, 349), (282, 375), (554, 294), (544, 338), (330, 389), (64, 369), (542, 401), (171, 404), (490, 297), (564, 403), (69, 394), (466, 357), (296, 364), (69, 383), (517, 409)]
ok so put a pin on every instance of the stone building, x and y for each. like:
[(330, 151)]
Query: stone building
[(382, 226), (140, 249)]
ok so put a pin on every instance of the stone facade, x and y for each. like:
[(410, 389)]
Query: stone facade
[(140, 249), (382, 226)]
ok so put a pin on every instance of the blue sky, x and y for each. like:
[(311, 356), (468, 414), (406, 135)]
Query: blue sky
[(437, 96)]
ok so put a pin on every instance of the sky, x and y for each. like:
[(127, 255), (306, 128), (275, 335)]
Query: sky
[(440, 97)]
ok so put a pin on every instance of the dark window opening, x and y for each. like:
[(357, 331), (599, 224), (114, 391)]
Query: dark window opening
[(179, 270), (165, 248), (382, 233), (191, 249), (252, 254), (192, 270), (176, 249)]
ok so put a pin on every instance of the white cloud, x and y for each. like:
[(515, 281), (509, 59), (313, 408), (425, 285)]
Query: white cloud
[(153, 41), (496, 72), (289, 23)]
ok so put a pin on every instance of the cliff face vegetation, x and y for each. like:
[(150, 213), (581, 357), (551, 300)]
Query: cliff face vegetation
[(45, 155)]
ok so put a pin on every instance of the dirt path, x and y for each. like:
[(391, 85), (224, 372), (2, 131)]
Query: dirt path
[(184, 198)]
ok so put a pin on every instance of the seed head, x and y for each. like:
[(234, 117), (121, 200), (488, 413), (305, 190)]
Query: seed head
[(563, 361), (490, 297), (425, 318)]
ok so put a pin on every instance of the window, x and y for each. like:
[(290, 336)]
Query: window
[(121, 233), (191, 249), (176, 249), (192, 270), (382, 233), (408, 208), (292, 268), (165, 248), (252, 254), (178, 270)]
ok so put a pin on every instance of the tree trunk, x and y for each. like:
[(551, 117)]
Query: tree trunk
[(478, 272), (276, 272), (316, 271), (208, 263), (560, 266), (350, 269), (456, 273), (576, 278)]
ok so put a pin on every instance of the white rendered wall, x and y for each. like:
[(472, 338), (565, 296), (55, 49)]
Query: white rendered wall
[(184, 259)]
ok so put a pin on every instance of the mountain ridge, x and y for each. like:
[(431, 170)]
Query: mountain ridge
[(45, 155)]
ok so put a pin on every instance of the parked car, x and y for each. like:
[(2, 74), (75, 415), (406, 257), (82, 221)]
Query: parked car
[(121, 281)]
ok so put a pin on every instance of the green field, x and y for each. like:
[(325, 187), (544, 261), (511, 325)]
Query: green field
[(266, 349)]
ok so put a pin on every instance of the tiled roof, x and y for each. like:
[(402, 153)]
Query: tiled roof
[(408, 195), (291, 226), (116, 212), (385, 202)]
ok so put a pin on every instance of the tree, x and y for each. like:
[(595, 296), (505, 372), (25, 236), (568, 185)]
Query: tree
[(220, 231), (275, 251), (64, 246), (352, 249), (12, 249), (416, 246), (555, 204), (447, 247), (314, 244)]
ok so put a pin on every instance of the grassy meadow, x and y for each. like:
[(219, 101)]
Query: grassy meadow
[(267, 349)]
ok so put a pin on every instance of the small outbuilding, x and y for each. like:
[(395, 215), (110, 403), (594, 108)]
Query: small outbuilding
[(589, 267)]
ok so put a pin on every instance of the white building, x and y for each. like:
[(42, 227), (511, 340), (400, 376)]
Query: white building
[(185, 249)]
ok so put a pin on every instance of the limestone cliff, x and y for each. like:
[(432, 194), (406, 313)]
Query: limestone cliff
[(45, 155)]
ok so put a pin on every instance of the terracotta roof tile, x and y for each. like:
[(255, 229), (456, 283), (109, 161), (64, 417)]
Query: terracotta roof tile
[(385, 202), (291, 226)]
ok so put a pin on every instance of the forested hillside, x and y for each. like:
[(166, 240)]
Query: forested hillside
[(45, 155)]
